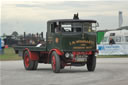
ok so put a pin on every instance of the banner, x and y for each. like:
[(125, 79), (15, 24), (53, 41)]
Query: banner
[(113, 49)]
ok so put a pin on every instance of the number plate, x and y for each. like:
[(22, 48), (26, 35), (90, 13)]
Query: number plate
[(80, 58)]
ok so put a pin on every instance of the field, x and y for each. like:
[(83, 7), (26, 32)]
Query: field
[(9, 54)]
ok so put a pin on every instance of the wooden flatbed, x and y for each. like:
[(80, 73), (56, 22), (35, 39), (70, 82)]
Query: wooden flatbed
[(31, 48)]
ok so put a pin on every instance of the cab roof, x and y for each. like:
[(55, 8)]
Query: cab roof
[(72, 20)]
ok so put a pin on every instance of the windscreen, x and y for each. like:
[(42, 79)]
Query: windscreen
[(78, 27)]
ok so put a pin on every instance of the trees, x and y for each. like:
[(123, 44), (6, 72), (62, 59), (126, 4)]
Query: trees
[(15, 34)]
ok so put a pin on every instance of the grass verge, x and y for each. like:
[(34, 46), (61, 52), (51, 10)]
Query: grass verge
[(112, 56), (9, 54)]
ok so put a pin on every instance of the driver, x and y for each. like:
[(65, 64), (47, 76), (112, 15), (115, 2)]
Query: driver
[(57, 29)]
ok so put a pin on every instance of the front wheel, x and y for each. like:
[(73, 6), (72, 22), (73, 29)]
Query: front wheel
[(28, 63), (55, 62), (91, 62)]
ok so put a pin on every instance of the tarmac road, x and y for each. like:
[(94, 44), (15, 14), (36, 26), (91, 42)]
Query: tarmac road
[(109, 71)]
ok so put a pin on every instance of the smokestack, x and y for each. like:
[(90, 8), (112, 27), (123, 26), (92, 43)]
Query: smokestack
[(120, 19)]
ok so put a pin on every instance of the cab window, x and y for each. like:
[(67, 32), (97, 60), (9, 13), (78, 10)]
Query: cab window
[(89, 27), (55, 28), (71, 27)]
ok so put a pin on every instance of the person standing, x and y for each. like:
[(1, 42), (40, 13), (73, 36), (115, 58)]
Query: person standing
[(111, 41), (2, 46)]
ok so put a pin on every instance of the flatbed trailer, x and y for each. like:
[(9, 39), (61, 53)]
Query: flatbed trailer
[(73, 45)]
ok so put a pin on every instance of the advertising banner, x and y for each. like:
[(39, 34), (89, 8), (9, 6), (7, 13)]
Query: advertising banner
[(113, 49)]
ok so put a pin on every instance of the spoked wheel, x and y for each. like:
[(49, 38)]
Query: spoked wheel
[(55, 62), (91, 62), (28, 63)]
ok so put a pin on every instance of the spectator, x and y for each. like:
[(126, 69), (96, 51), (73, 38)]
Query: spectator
[(2, 46), (111, 41)]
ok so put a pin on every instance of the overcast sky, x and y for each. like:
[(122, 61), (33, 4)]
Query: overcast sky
[(31, 16)]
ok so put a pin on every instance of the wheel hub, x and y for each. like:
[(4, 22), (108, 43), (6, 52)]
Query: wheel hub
[(26, 60)]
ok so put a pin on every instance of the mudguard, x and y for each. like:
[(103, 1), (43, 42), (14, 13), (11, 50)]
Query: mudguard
[(57, 51), (33, 55)]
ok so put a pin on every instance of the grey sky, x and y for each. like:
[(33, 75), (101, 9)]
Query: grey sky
[(31, 16)]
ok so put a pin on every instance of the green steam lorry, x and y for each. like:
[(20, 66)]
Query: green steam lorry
[(69, 42)]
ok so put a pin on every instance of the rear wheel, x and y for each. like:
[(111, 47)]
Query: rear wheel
[(28, 63), (55, 62), (91, 62)]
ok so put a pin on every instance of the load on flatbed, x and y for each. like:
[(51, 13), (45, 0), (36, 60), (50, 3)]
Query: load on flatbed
[(69, 42)]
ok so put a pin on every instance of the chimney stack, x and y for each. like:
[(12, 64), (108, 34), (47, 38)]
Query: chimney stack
[(120, 19)]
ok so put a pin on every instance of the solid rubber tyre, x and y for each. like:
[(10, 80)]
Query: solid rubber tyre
[(28, 63), (55, 62), (91, 62)]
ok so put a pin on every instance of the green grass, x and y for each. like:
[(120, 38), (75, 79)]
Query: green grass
[(9, 54), (112, 56)]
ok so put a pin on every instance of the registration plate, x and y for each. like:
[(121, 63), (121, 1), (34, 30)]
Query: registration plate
[(81, 58)]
